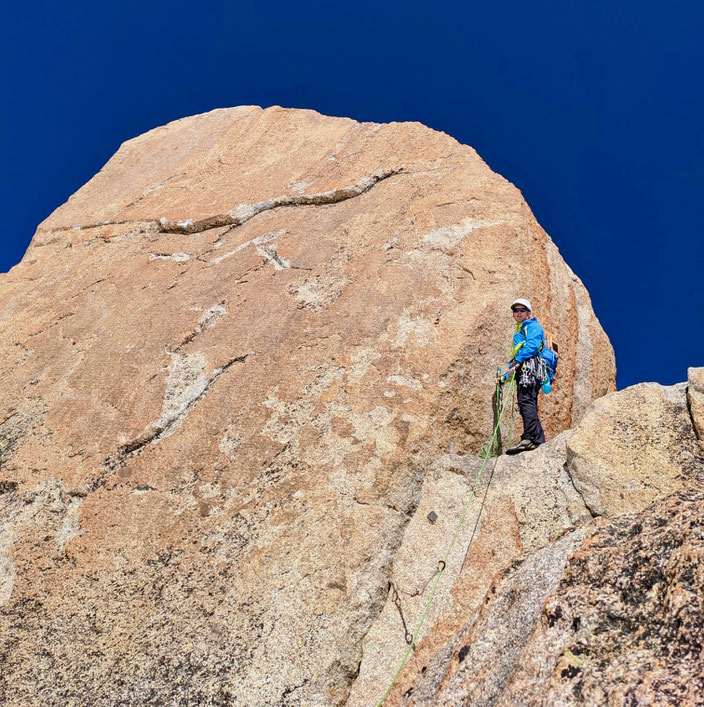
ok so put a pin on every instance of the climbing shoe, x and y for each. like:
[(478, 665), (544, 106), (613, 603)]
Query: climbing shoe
[(525, 445)]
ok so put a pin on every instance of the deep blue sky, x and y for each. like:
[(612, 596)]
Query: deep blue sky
[(595, 110)]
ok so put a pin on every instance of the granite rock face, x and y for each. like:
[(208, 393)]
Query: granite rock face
[(481, 659), (229, 362), (633, 448), (625, 624), (618, 622)]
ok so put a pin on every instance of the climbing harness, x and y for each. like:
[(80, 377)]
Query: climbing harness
[(442, 564), (534, 370), (543, 365)]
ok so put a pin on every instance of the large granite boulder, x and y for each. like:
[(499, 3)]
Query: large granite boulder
[(633, 447), (229, 362)]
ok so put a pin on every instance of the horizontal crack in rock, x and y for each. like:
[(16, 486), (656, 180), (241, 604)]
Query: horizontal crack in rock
[(244, 212)]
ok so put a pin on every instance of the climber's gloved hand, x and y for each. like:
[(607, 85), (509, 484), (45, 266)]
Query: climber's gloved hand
[(502, 379)]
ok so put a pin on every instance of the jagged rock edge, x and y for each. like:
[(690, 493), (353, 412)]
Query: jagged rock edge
[(688, 401)]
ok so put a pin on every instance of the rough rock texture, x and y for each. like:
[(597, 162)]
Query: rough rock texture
[(623, 624), (649, 448), (522, 509), (626, 623), (228, 362), (632, 448), (478, 663)]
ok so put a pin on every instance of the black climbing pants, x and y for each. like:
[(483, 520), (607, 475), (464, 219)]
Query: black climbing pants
[(528, 405)]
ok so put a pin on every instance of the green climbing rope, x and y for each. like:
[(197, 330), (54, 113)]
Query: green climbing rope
[(513, 415), (443, 563)]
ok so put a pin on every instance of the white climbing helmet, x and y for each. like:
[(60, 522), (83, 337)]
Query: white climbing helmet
[(526, 303)]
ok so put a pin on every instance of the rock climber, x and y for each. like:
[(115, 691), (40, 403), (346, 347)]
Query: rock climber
[(525, 363)]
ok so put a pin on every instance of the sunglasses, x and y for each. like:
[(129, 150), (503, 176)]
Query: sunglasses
[(519, 309)]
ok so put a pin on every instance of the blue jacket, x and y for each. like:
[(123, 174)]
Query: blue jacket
[(527, 341)]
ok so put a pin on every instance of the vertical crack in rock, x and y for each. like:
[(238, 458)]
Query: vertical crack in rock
[(594, 512), (695, 400), (691, 415), (186, 386)]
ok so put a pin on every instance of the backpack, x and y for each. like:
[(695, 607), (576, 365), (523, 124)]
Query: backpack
[(548, 352)]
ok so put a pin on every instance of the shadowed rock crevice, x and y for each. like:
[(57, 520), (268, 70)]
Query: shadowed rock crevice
[(695, 400), (691, 416), (585, 498)]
